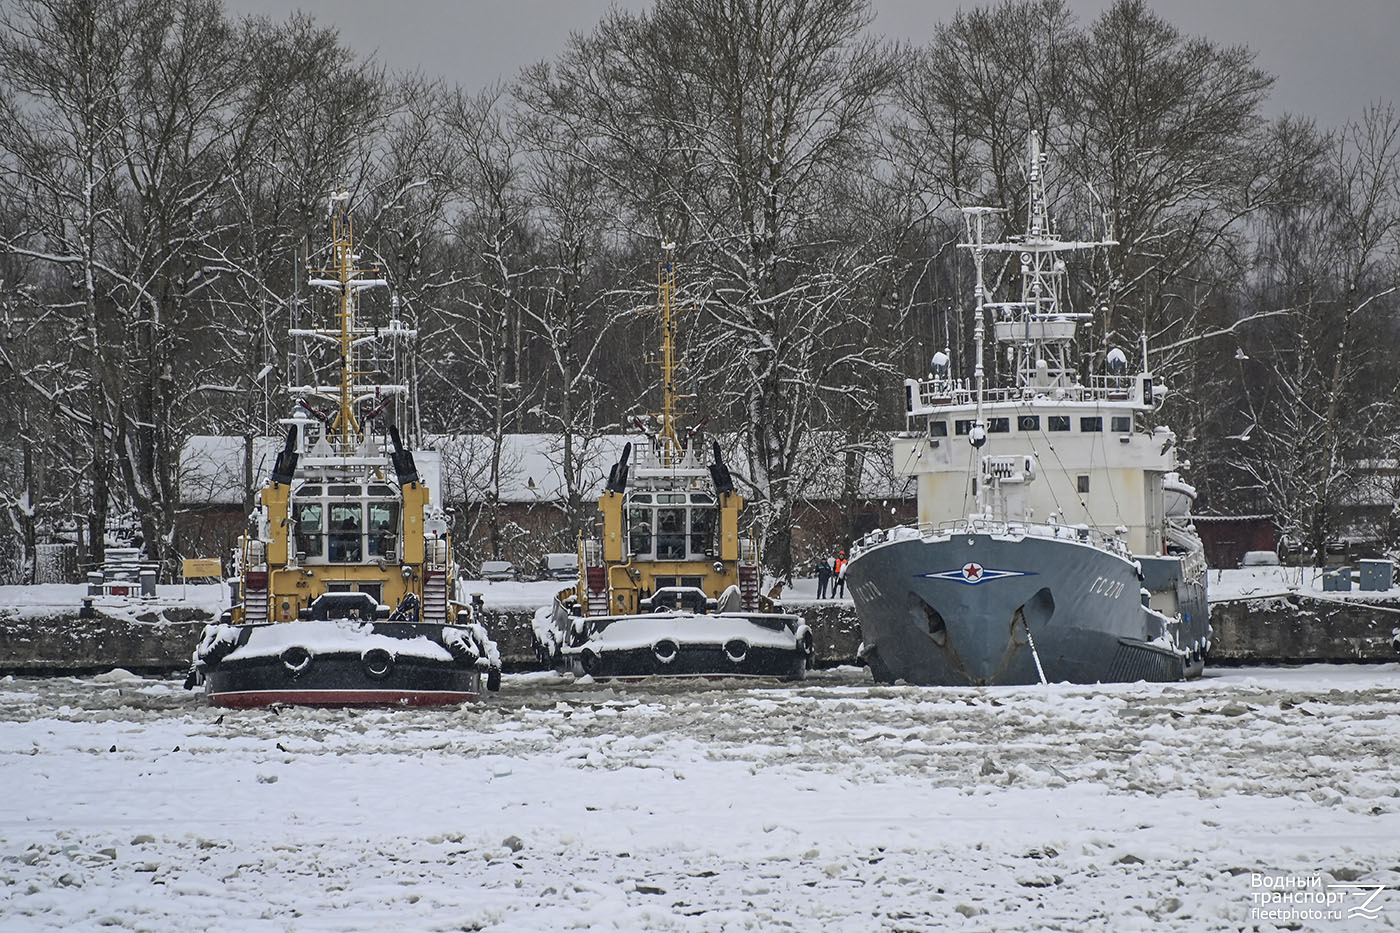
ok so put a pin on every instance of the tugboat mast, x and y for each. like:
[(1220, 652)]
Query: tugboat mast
[(348, 279), (669, 446)]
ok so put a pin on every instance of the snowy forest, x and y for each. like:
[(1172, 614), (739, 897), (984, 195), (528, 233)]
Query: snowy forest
[(164, 169)]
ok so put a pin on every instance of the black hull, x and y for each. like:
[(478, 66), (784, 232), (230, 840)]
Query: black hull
[(340, 663), (691, 645), (695, 661)]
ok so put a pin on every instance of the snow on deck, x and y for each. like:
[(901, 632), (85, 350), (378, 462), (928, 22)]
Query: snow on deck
[(644, 631), (339, 636), (831, 804)]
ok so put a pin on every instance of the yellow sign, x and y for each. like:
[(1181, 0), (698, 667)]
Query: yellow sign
[(202, 567)]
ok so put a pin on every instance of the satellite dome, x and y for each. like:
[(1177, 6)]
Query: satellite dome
[(939, 364), (1117, 362)]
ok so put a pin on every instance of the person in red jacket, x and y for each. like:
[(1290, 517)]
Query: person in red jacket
[(838, 588)]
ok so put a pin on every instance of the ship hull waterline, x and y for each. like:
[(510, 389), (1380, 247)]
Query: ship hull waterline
[(336, 663), (977, 609)]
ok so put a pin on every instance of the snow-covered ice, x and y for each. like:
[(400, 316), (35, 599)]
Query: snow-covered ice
[(831, 804)]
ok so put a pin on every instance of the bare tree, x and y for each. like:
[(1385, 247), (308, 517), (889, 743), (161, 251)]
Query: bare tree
[(1324, 392), (480, 319), (735, 144), (63, 65)]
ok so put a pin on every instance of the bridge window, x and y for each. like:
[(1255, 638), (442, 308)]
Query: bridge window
[(999, 425), (383, 528), (1057, 422), (639, 531), (346, 521), (1028, 423), (308, 518), (1123, 424), (963, 425), (938, 429), (702, 531), (1082, 482), (670, 534), (1091, 424)]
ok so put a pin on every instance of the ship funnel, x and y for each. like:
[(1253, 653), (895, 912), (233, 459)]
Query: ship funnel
[(719, 474), (286, 465), (617, 476), (402, 459)]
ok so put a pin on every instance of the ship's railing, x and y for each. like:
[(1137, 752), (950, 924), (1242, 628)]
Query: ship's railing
[(748, 551), (928, 395), (1193, 563), (328, 445), (653, 459), (1113, 543)]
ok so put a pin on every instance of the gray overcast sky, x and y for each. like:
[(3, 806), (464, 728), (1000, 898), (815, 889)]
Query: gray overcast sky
[(1331, 57)]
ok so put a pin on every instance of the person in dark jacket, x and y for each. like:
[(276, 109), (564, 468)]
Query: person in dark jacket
[(823, 577)]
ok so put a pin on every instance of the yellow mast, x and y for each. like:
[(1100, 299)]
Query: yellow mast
[(668, 442), (346, 274)]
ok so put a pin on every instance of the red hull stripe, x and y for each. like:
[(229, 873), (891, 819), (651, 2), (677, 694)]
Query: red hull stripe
[(253, 698)]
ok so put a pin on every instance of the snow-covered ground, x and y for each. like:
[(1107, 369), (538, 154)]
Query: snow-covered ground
[(58, 599), (832, 805), (1261, 582)]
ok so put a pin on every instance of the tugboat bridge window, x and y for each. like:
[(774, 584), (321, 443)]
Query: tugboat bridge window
[(702, 530), (1058, 422), (1091, 424), (963, 425), (1082, 482), (1123, 423), (999, 425), (639, 531), (1028, 423), (682, 528), (344, 524), (309, 531), (347, 519), (938, 429), (670, 533), (383, 528)]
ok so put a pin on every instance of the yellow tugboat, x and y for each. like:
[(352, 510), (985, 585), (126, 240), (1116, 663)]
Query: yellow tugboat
[(347, 577), (670, 586)]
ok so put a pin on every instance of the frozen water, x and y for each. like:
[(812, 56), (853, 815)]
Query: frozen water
[(832, 804)]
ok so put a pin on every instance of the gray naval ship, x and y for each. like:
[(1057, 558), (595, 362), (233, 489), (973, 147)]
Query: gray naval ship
[(1053, 540)]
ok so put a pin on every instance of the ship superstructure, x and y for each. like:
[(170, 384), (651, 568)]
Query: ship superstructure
[(1045, 548)]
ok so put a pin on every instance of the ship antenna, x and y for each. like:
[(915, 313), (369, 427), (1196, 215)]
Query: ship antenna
[(975, 217)]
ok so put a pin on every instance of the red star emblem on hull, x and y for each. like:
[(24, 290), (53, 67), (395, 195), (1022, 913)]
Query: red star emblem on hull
[(971, 571)]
